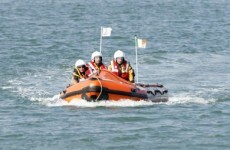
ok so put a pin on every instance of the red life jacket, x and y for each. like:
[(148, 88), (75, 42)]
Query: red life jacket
[(117, 69), (92, 66)]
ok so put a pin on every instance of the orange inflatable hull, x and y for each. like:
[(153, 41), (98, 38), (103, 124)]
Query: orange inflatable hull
[(108, 86)]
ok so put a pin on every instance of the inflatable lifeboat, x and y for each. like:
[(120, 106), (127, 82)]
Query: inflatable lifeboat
[(108, 86)]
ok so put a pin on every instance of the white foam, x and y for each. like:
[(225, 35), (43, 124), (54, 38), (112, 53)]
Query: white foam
[(27, 89), (6, 87), (184, 98), (187, 98), (104, 103)]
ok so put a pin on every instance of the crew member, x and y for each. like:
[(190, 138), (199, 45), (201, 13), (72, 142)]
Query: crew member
[(121, 67), (96, 64), (79, 72)]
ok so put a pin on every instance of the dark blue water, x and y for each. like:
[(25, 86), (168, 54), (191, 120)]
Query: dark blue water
[(187, 51)]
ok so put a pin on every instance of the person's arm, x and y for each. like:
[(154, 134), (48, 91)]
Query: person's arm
[(75, 78), (131, 74)]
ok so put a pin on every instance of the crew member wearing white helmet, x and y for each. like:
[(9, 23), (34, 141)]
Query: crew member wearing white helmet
[(79, 72), (121, 67), (95, 65)]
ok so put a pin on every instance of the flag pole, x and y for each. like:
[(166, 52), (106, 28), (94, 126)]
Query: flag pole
[(135, 37), (101, 39)]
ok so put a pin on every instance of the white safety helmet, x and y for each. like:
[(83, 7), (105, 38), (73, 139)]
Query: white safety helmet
[(80, 62), (95, 54), (119, 53)]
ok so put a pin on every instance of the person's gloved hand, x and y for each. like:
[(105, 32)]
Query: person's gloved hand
[(122, 69), (95, 72)]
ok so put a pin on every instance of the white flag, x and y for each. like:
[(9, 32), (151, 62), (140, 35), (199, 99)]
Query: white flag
[(106, 31), (141, 43)]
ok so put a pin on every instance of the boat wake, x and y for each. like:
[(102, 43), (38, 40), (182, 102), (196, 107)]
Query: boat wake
[(56, 101), (42, 97), (174, 100), (186, 98)]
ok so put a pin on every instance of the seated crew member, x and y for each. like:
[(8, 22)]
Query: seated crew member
[(121, 67), (96, 64), (79, 72)]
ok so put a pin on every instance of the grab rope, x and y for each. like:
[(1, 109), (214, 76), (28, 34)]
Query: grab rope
[(101, 88)]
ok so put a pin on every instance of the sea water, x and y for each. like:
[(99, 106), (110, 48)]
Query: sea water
[(187, 51)]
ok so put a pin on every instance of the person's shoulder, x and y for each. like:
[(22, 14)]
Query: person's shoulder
[(110, 67), (90, 62), (87, 65)]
